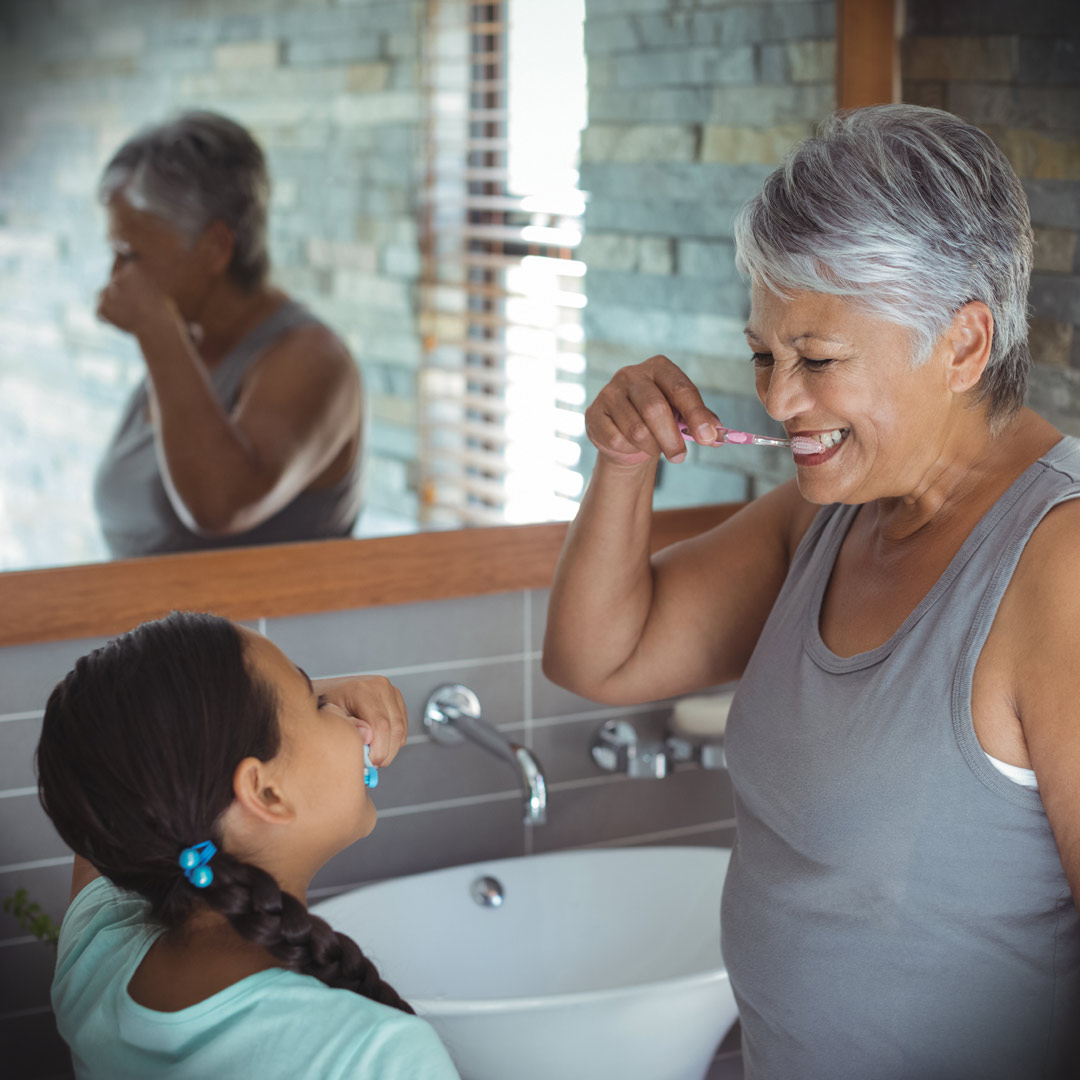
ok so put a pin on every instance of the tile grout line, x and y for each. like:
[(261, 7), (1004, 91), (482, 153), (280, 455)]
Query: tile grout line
[(26, 939), (605, 713), (18, 1014), (410, 808), (491, 796), (37, 864), (530, 725), (435, 665), (662, 834), (590, 781), (32, 714), (447, 804), (526, 705)]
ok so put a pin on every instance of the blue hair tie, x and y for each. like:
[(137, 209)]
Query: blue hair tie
[(193, 862)]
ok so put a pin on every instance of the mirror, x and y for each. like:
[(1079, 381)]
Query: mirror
[(427, 204)]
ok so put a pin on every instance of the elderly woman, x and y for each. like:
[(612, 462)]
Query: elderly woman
[(247, 428), (903, 617)]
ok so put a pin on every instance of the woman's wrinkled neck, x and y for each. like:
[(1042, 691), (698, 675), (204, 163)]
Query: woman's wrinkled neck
[(228, 314), (972, 461)]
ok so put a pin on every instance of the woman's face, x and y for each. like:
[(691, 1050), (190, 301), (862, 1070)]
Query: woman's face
[(321, 759), (162, 252), (822, 366)]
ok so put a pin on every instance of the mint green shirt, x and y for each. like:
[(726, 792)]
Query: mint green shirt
[(272, 1024)]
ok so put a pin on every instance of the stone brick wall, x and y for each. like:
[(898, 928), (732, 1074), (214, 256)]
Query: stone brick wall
[(1015, 71), (331, 90), (691, 104)]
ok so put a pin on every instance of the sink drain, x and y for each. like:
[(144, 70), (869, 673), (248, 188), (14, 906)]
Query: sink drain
[(487, 892)]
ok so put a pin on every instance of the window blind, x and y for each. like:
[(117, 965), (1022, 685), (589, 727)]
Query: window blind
[(501, 295)]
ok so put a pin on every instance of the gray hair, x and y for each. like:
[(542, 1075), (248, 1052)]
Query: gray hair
[(911, 212), (191, 171)]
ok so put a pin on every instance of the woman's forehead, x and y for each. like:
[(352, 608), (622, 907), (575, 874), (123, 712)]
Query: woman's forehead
[(126, 220), (808, 319)]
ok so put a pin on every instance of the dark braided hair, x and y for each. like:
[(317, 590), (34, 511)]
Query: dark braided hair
[(136, 760)]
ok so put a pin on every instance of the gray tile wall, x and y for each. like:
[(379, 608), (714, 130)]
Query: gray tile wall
[(438, 806)]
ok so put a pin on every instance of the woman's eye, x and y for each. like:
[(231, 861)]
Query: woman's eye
[(764, 360)]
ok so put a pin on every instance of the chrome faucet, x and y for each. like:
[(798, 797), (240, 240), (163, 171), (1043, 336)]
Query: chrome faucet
[(453, 712), (615, 747)]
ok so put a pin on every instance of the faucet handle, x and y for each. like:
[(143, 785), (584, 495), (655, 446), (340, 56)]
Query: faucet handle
[(679, 749), (712, 756), (615, 748), (650, 762), (447, 705), (709, 755), (613, 744)]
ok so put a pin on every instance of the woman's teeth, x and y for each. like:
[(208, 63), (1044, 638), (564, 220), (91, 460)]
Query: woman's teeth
[(817, 444)]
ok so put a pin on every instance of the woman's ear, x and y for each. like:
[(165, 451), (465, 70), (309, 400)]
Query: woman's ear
[(969, 339), (216, 245), (259, 794)]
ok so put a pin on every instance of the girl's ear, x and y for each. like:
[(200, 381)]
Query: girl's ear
[(258, 793)]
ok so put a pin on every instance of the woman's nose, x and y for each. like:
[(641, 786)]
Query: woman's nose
[(782, 392)]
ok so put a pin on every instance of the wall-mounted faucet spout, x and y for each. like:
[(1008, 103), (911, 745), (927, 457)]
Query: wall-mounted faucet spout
[(453, 712)]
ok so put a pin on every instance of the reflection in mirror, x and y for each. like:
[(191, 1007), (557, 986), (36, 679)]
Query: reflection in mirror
[(425, 209), (247, 427)]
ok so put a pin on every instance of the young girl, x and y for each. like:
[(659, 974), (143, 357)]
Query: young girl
[(202, 782)]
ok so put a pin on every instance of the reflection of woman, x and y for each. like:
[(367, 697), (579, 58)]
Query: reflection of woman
[(904, 619), (192, 733), (247, 428)]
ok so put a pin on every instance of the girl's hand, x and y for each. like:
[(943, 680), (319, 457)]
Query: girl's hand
[(131, 301), (377, 704), (635, 417)]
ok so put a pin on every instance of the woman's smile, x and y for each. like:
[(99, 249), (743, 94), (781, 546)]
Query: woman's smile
[(829, 441)]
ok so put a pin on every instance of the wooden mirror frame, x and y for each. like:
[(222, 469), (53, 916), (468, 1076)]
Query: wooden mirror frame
[(103, 599)]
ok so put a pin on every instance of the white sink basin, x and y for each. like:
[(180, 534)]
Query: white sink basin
[(598, 965)]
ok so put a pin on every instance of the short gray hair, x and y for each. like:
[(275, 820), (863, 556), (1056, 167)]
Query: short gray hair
[(910, 212), (193, 170)]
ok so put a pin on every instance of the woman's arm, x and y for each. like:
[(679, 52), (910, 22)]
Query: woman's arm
[(624, 628), (226, 474), (1046, 601), (299, 407)]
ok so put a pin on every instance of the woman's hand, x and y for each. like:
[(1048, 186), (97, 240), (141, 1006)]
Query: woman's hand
[(132, 302), (635, 417), (377, 704)]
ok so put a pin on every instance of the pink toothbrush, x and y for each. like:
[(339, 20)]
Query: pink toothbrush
[(801, 444)]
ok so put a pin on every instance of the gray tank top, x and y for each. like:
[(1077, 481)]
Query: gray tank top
[(895, 908), (136, 515)]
